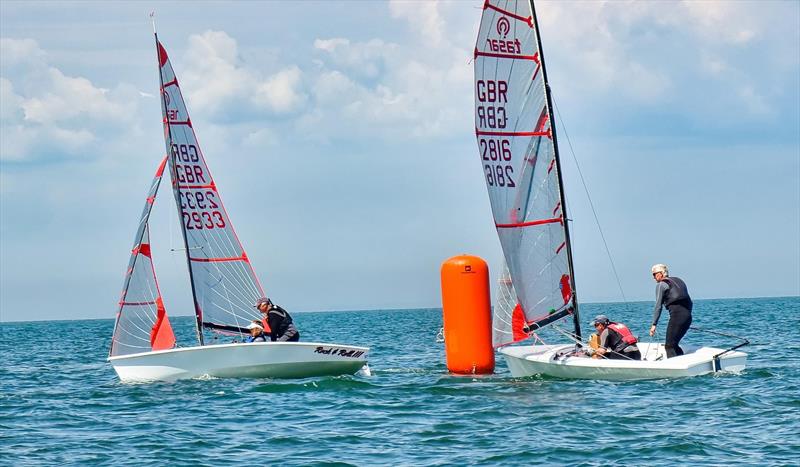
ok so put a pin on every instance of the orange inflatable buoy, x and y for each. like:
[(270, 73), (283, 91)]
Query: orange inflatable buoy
[(467, 315)]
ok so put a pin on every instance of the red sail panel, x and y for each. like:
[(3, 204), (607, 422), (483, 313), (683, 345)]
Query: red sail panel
[(518, 324), (161, 336)]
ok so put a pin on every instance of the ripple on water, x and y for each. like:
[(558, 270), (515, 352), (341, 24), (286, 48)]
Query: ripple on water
[(62, 403)]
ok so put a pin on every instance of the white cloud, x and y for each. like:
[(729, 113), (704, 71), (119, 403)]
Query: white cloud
[(220, 84), (14, 52), (418, 89), (424, 18), (334, 87), (212, 79), (47, 114), (394, 95), (281, 91), (754, 101), (718, 21), (713, 64), (649, 53), (364, 59), (65, 98), (22, 143), (263, 137), (10, 102), (329, 45)]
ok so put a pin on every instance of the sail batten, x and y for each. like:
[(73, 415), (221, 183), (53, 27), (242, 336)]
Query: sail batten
[(518, 150)]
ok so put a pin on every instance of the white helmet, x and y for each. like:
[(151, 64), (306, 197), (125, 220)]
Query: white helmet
[(662, 268)]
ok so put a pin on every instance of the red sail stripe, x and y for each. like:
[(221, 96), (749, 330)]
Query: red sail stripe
[(560, 247), (160, 170), (174, 82), (550, 167), (511, 133), (210, 186), (543, 119), (529, 223), (534, 57), (220, 260), (536, 72), (528, 20), (181, 122), (558, 205)]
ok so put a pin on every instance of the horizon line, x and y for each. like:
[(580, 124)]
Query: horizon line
[(400, 309)]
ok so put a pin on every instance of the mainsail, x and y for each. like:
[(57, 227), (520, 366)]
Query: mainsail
[(517, 146), (224, 284), (142, 324)]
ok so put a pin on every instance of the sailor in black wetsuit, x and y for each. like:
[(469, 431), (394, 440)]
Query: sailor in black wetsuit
[(672, 293), (616, 340), (281, 325)]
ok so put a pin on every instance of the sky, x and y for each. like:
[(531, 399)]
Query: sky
[(341, 137)]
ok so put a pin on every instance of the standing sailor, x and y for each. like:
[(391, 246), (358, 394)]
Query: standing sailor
[(280, 323), (672, 293)]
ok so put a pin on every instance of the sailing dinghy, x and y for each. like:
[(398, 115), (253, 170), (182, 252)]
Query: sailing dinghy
[(519, 153), (224, 283)]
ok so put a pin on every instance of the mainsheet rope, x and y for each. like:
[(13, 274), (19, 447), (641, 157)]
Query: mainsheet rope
[(591, 204)]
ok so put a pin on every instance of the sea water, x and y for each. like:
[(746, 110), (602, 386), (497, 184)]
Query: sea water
[(61, 402)]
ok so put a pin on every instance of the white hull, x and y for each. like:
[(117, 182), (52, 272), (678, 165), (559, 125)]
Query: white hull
[(547, 360), (243, 360)]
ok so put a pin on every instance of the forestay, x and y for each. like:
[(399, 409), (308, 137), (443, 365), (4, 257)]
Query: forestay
[(142, 324), (516, 144), (224, 283)]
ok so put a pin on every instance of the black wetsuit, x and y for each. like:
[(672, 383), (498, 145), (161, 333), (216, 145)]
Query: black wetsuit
[(282, 325), (673, 293), (617, 348)]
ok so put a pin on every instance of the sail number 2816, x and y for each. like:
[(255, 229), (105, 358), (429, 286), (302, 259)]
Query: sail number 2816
[(497, 150)]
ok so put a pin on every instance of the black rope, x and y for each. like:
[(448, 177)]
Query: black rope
[(695, 328)]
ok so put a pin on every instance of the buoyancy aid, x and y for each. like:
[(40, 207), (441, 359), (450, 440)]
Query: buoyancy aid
[(677, 291), (259, 338), (626, 337), (265, 325)]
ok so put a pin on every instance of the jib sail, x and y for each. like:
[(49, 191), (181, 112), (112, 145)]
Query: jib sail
[(142, 324)]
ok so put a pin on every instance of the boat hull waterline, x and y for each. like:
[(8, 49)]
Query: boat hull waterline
[(533, 360), (242, 360)]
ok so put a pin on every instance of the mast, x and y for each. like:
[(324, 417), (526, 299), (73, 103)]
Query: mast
[(173, 174), (575, 316)]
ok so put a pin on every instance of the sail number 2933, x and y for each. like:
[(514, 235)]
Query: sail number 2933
[(495, 153), (200, 210)]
